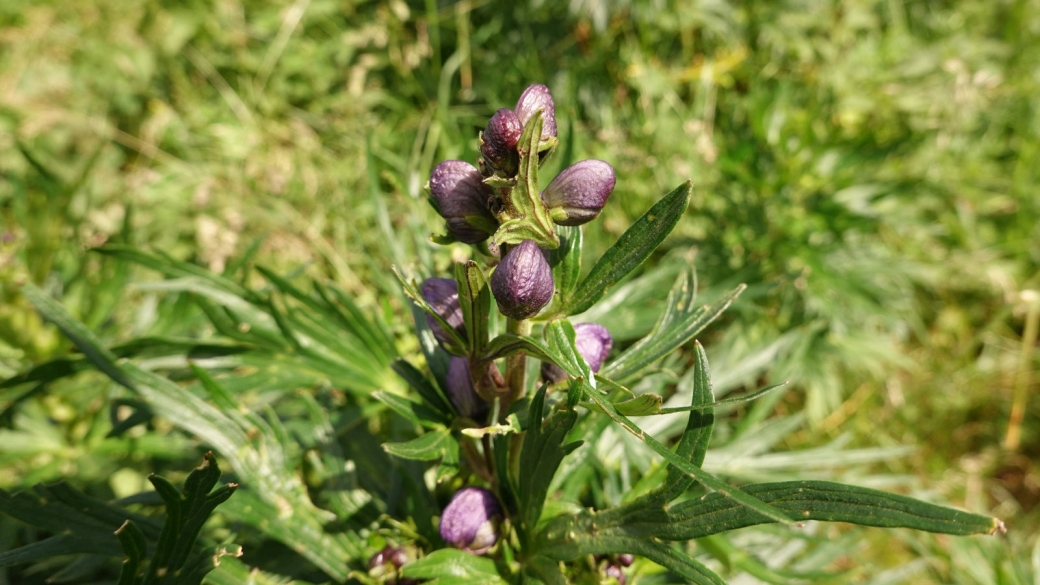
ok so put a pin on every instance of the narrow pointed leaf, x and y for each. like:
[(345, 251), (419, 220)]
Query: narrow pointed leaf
[(540, 457), (449, 564), (426, 447), (708, 480), (475, 300), (693, 444), (631, 249), (684, 322), (566, 261), (809, 500)]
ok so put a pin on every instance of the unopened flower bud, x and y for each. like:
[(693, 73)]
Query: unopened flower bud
[(461, 393), (458, 192), (499, 140), (443, 296), (470, 520), (522, 283), (626, 559), (534, 98), (593, 342), (579, 192), (614, 572)]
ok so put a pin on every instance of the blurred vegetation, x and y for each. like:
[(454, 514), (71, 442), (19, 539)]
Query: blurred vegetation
[(868, 167)]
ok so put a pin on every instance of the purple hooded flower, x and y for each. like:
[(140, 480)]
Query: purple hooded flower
[(499, 140), (458, 192), (593, 342), (537, 97), (470, 520), (461, 393), (579, 192), (522, 283), (443, 295)]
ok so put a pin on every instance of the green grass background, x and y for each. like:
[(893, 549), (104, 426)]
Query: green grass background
[(868, 167)]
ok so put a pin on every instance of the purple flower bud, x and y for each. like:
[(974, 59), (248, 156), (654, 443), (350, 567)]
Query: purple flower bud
[(614, 572), (579, 192), (461, 393), (443, 296), (594, 344), (499, 140), (458, 192), (534, 98), (625, 559), (470, 521), (522, 283)]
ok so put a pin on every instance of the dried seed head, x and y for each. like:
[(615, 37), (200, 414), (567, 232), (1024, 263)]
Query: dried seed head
[(537, 97), (522, 283), (458, 192), (470, 520), (499, 140), (579, 192)]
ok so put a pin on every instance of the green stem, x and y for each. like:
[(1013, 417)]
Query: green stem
[(516, 364)]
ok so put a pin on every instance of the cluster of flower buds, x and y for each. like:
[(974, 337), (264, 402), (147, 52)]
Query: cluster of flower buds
[(593, 342), (470, 521), (613, 566), (385, 564), (499, 140), (461, 194)]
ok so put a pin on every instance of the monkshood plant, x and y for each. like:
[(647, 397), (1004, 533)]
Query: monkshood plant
[(501, 428), (355, 463)]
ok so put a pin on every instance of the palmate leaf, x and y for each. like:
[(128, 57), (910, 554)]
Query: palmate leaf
[(630, 250), (254, 449)]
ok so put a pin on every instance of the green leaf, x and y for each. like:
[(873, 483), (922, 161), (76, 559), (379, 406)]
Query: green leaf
[(632, 248), (560, 338), (453, 565), (264, 470), (542, 452), (186, 512), (807, 500), (174, 268), (412, 291), (509, 343), (566, 262), (680, 322), (426, 447), (132, 539), (693, 444), (475, 300), (642, 405), (427, 391), (569, 537), (726, 402), (417, 412), (708, 480)]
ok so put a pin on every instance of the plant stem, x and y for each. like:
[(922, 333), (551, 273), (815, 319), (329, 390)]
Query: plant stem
[(516, 364), (1023, 376)]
